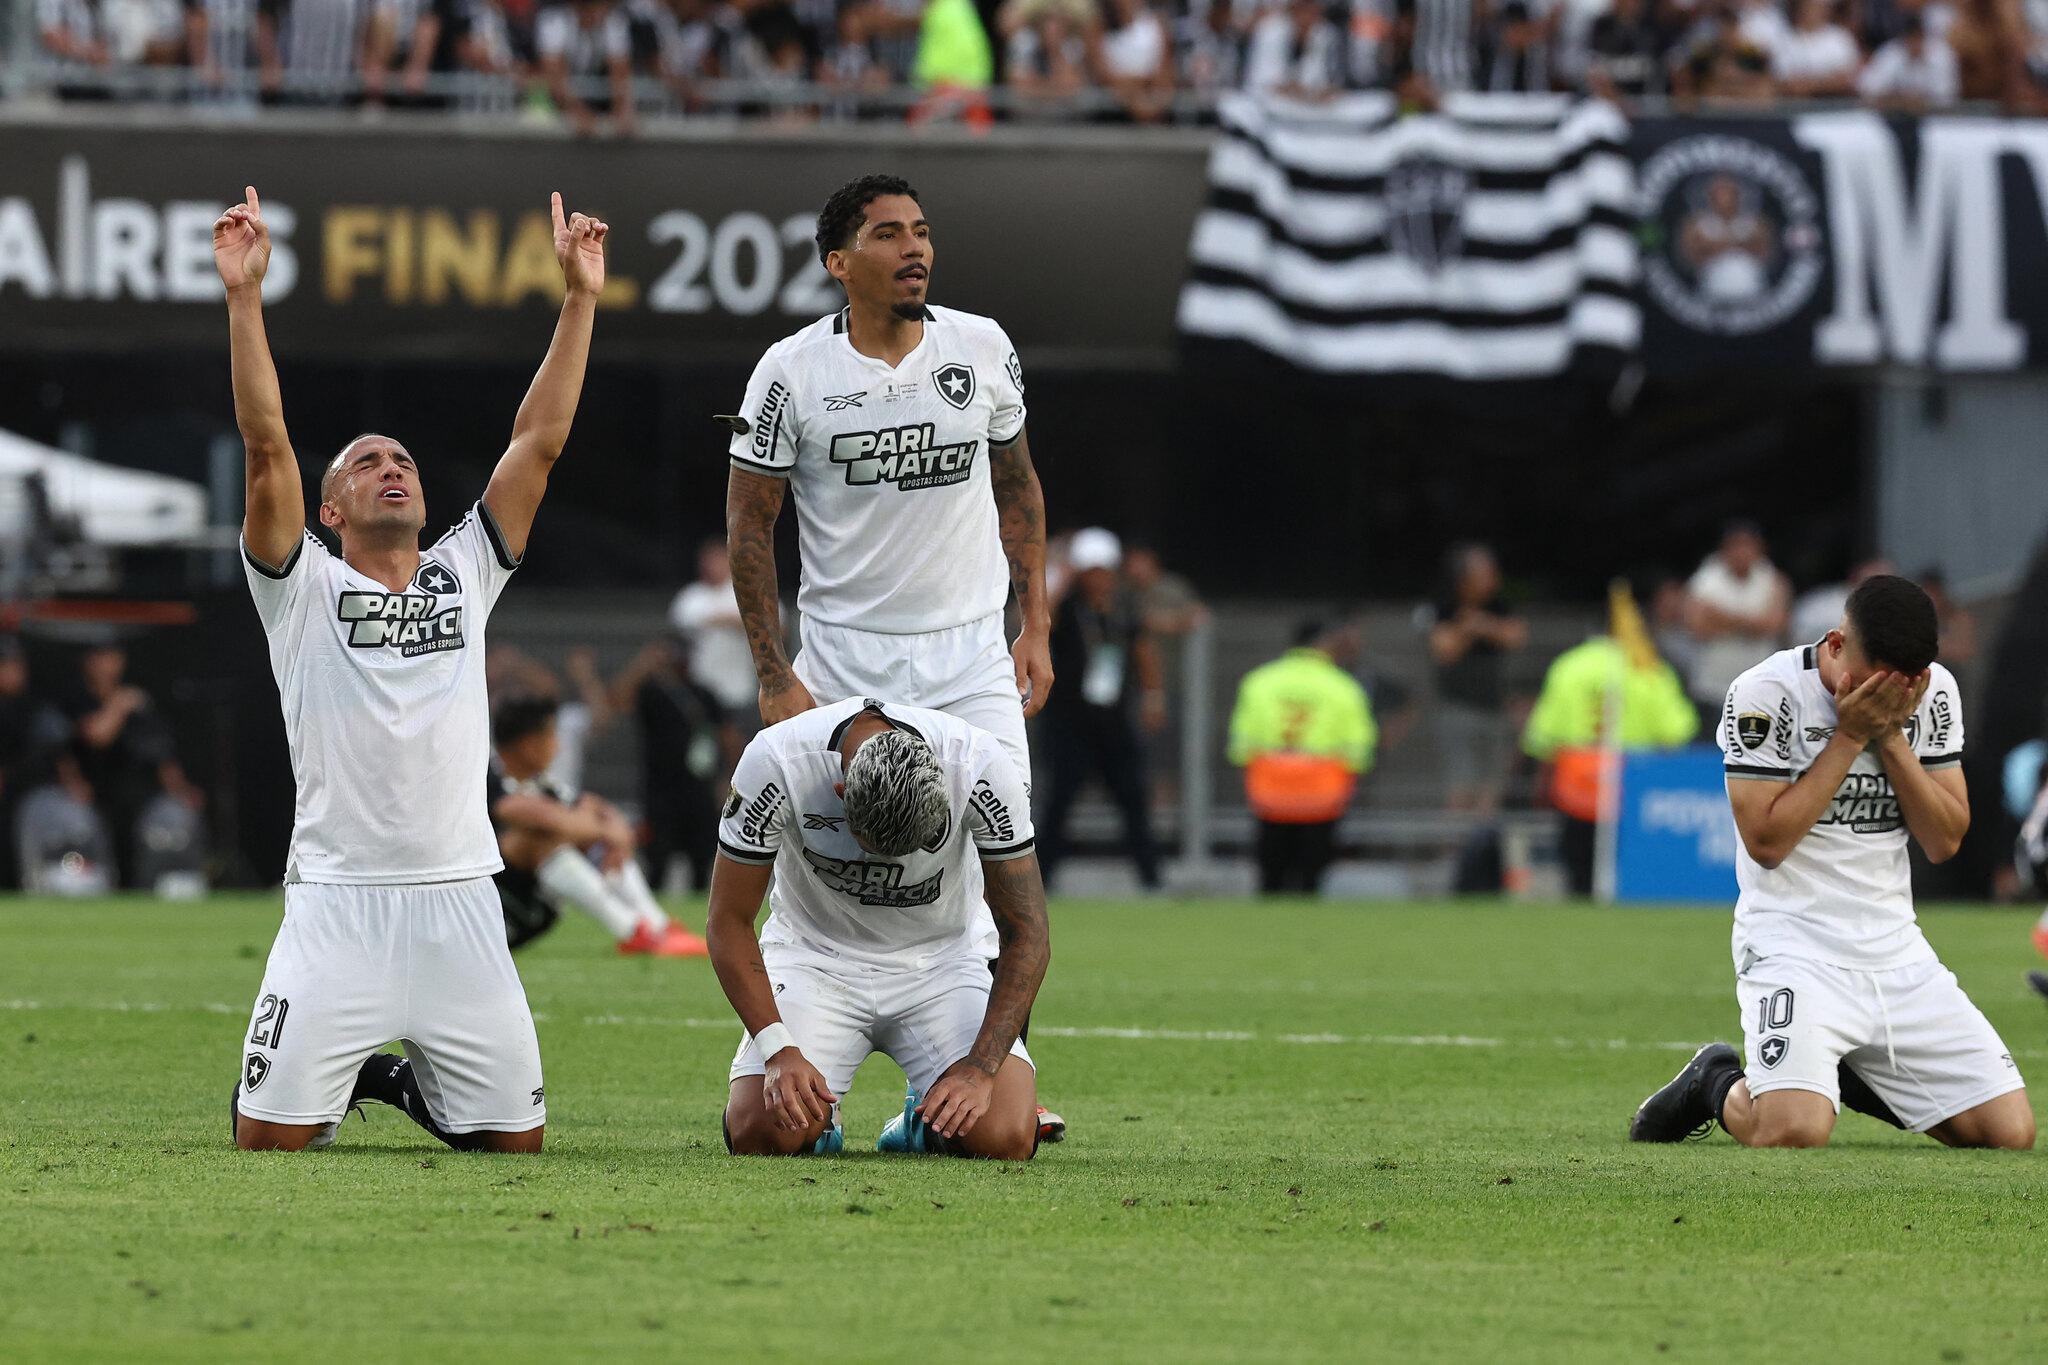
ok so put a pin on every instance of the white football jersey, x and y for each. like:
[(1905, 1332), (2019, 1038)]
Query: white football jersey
[(385, 708), (830, 893), (1844, 894), (896, 518)]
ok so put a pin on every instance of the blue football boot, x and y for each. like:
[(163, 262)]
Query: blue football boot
[(907, 1132)]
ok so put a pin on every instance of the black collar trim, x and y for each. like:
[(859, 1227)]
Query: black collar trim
[(870, 704)]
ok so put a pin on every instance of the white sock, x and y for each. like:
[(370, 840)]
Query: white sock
[(629, 883), (573, 879)]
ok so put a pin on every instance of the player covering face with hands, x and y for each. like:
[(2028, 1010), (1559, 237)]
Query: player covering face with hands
[(883, 828), (392, 927), (1836, 754)]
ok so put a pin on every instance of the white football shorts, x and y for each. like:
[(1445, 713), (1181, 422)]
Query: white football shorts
[(357, 967), (1909, 1032), (923, 1018)]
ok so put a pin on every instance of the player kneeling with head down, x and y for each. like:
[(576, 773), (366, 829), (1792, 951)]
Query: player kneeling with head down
[(563, 849), (1835, 753), (885, 830)]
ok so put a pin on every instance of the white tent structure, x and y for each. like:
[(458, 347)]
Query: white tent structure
[(114, 506)]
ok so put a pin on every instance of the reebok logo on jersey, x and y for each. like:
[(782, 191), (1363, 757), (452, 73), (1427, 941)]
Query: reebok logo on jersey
[(840, 402), (1819, 734), (404, 621), (955, 383), (994, 813), (908, 457), (873, 883), (823, 821)]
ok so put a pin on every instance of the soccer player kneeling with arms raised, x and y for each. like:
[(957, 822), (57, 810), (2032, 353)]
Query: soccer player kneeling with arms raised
[(1835, 754), (884, 831)]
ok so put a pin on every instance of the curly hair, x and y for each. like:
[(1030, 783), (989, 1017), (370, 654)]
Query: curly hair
[(896, 795), (846, 210)]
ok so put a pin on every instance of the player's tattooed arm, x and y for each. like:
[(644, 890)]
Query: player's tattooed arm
[(549, 409), (737, 893), (752, 503), (1015, 893), (1020, 510), (275, 501)]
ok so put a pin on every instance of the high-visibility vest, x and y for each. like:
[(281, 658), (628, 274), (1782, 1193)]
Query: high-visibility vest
[(1298, 789)]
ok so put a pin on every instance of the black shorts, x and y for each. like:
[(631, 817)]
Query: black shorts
[(528, 914)]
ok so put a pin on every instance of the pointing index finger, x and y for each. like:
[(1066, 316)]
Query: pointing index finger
[(555, 202), (254, 203)]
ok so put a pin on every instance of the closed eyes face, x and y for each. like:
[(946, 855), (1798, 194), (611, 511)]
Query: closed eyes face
[(373, 482)]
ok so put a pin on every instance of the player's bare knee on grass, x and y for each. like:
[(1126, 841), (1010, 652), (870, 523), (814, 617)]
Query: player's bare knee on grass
[(1791, 1118), (256, 1135), (751, 1131), (527, 1143), (2006, 1124)]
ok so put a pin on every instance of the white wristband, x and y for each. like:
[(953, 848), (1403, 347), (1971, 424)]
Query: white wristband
[(773, 1039)]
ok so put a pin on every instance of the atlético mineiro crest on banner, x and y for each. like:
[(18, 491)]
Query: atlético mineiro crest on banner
[(955, 383)]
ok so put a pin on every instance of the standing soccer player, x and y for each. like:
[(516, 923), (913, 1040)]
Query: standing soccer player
[(900, 426), (1837, 753), (392, 928)]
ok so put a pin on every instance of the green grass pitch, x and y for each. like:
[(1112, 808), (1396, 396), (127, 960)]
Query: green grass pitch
[(1299, 1132)]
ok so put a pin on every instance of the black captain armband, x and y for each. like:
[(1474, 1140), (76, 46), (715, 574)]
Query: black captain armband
[(739, 425)]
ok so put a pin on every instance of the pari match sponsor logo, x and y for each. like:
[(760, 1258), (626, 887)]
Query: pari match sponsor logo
[(910, 457), (418, 621)]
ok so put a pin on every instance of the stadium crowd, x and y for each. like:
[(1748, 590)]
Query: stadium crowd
[(598, 62)]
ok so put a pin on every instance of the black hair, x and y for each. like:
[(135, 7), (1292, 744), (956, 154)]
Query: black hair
[(1894, 621), (1310, 631), (846, 210), (517, 718)]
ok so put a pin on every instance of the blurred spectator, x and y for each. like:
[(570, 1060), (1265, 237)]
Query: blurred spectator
[(74, 32), (1099, 643), (579, 43), (1625, 54), (1612, 691), (687, 746), (707, 615), (33, 735), (1134, 57), (1169, 601), (1989, 40), (1295, 50), (877, 44), (1736, 609), (1819, 610), (225, 39), (488, 48), (1668, 629), (1303, 732), (1440, 39), (1515, 48), (319, 48), (409, 40), (1045, 46), (1209, 42), (955, 64), (1471, 635), (1915, 71), (1957, 623), (1818, 57), (124, 752)]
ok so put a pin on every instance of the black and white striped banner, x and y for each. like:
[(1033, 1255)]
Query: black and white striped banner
[(1492, 240)]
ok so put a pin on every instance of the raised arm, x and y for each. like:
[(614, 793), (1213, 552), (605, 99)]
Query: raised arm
[(542, 426), (752, 502), (1020, 506), (274, 502)]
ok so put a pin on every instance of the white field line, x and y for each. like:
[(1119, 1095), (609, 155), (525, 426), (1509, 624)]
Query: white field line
[(1164, 1035)]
